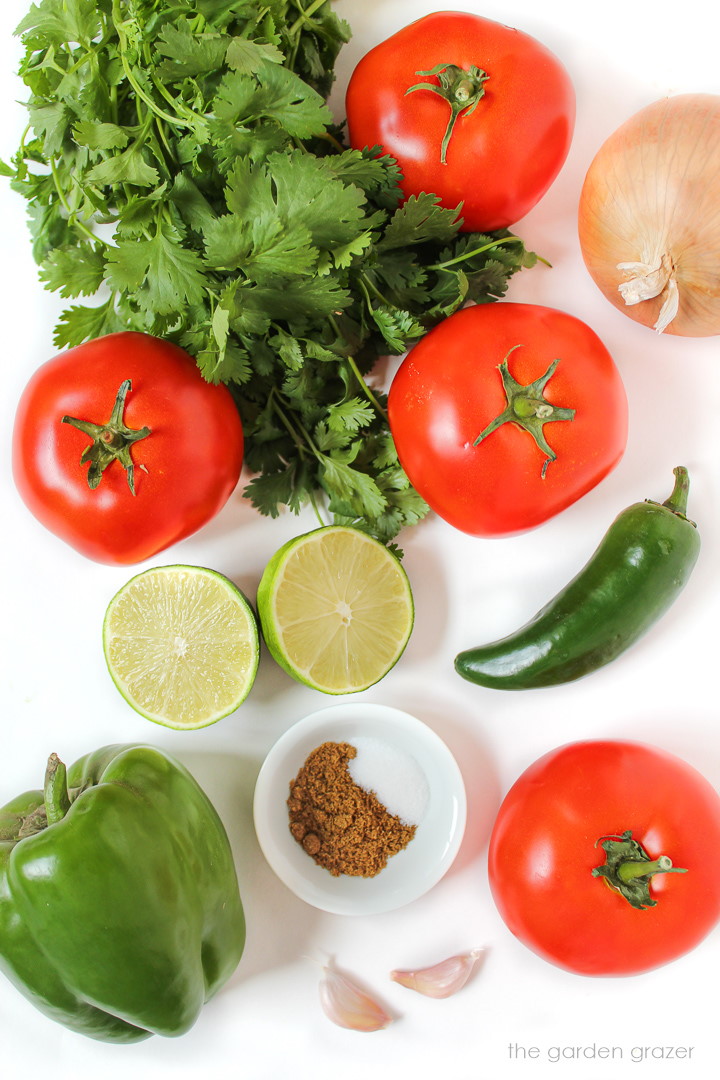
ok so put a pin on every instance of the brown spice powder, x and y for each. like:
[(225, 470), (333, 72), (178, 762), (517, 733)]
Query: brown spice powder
[(344, 828)]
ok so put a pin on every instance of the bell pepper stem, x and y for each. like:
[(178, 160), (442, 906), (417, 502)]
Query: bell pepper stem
[(57, 798)]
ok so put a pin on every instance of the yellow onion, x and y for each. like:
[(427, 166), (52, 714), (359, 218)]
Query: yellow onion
[(649, 219)]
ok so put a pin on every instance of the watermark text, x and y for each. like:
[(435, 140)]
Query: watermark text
[(599, 1052)]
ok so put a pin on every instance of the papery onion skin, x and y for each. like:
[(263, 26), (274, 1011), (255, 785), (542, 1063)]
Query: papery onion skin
[(652, 196)]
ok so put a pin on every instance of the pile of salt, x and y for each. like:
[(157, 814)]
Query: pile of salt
[(395, 777)]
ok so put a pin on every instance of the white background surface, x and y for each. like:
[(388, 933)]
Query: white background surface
[(56, 694)]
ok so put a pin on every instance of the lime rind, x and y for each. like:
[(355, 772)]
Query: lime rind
[(336, 609), (182, 645)]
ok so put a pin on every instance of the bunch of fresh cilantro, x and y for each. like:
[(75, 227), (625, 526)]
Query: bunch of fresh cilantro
[(183, 169)]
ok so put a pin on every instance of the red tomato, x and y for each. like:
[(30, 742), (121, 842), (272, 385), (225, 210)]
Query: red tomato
[(184, 468), (547, 841), (449, 389), (503, 155)]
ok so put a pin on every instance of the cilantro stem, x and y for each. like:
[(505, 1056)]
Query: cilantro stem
[(280, 412), (335, 143), (305, 16), (146, 97), (190, 116), (364, 386), (476, 251), (480, 250), (72, 215), (368, 286), (313, 502), (130, 76), (22, 149)]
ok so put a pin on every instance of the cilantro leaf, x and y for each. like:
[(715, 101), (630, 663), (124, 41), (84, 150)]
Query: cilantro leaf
[(50, 123), (161, 274), (350, 415), (262, 247), (99, 136), (83, 322), (305, 188), (274, 489), (128, 167), (397, 327), (273, 93), (294, 300), (57, 21), (418, 220), (350, 491), (74, 270), (249, 56), (186, 53)]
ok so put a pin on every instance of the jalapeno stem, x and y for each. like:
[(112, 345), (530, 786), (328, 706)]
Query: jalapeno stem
[(677, 502)]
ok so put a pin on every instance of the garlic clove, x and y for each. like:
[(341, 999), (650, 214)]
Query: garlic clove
[(441, 980), (348, 1006)]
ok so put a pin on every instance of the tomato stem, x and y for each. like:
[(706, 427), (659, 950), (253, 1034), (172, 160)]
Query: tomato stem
[(462, 88), (628, 869), (527, 407), (110, 442)]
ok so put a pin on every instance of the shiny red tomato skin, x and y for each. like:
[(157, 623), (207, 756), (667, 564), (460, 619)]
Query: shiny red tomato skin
[(448, 389), (185, 470), (503, 156), (542, 852)]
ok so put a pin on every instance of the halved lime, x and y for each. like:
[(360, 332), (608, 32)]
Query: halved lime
[(182, 645), (336, 609)]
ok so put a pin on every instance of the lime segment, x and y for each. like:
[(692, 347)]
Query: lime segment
[(181, 644), (336, 609)]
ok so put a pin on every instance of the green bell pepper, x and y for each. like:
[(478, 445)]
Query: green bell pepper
[(119, 906)]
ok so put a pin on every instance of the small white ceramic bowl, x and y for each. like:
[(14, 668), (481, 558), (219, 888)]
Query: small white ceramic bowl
[(408, 874)]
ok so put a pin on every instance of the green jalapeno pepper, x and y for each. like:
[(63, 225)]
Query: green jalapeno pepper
[(642, 564)]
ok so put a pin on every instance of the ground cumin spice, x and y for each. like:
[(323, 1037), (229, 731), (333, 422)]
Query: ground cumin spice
[(345, 828)]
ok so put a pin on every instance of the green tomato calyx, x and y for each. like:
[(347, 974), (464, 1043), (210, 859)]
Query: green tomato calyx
[(628, 869), (462, 88), (110, 442), (527, 407)]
